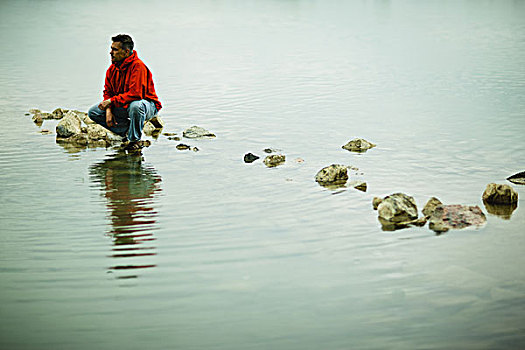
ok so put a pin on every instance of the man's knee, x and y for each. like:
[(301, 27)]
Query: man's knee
[(136, 108), (95, 112)]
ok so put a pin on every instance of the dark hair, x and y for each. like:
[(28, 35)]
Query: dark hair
[(125, 40)]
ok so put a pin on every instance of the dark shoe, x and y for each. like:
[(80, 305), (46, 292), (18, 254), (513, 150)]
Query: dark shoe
[(133, 146)]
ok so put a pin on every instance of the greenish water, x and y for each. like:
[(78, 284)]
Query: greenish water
[(198, 250)]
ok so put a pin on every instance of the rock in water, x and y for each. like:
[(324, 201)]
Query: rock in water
[(148, 128), (58, 113), (250, 158), (153, 126), (96, 132), (456, 216), (361, 186), (335, 174), (500, 194), (397, 208), (376, 201), (182, 147), (157, 122), (196, 132), (274, 160), (37, 118), (358, 145), (431, 205), (518, 178), (68, 126)]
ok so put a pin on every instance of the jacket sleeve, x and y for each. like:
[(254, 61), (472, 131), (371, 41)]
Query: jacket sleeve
[(108, 88), (137, 84)]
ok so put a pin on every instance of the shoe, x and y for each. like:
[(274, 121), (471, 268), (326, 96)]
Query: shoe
[(133, 146)]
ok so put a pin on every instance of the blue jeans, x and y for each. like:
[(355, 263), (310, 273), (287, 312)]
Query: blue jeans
[(130, 121)]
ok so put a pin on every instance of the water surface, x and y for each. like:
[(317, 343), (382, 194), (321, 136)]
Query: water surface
[(198, 250)]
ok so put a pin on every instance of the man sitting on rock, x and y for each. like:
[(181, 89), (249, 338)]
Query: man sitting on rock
[(129, 94)]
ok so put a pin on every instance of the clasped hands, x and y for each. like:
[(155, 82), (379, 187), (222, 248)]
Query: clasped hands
[(106, 106)]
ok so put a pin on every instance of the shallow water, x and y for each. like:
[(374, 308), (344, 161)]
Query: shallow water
[(198, 250)]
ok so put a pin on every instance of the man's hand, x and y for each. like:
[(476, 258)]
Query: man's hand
[(104, 104), (110, 118)]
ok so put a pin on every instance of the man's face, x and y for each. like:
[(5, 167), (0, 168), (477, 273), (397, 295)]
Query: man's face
[(118, 54)]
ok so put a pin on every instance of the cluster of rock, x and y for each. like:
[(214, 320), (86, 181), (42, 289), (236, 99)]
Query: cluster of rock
[(194, 132), (336, 175), (77, 129), (271, 161), (395, 211), (399, 210)]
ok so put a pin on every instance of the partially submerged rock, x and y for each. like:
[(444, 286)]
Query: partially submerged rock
[(38, 119), (148, 128), (360, 185), (153, 127), (376, 201), (500, 194), (358, 145), (518, 178), (456, 216), (397, 208), (250, 158), (182, 147), (271, 150), (58, 113), (196, 132), (431, 205), (335, 174), (68, 126), (274, 160), (157, 122)]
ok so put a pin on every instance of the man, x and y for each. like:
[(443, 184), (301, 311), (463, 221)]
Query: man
[(129, 94)]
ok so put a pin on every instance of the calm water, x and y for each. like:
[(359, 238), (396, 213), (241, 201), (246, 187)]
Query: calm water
[(187, 250)]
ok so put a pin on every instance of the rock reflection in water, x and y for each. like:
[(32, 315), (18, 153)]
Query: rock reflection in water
[(503, 211), (130, 188)]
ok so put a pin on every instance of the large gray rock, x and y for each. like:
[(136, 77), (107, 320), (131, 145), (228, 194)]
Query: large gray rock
[(335, 174), (431, 205), (196, 132), (397, 208), (84, 117), (500, 194), (274, 160), (358, 145), (456, 216), (96, 132), (69, 125)]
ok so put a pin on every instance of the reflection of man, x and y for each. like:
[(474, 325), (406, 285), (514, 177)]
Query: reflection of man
[(129, 93), (129, 188)]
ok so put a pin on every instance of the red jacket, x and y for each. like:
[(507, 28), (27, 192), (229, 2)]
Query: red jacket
[(129, 81)]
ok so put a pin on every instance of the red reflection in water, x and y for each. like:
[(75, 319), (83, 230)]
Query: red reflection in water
[(129, 188)]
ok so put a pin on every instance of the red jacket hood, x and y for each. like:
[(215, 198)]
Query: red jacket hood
[(127, 61)]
